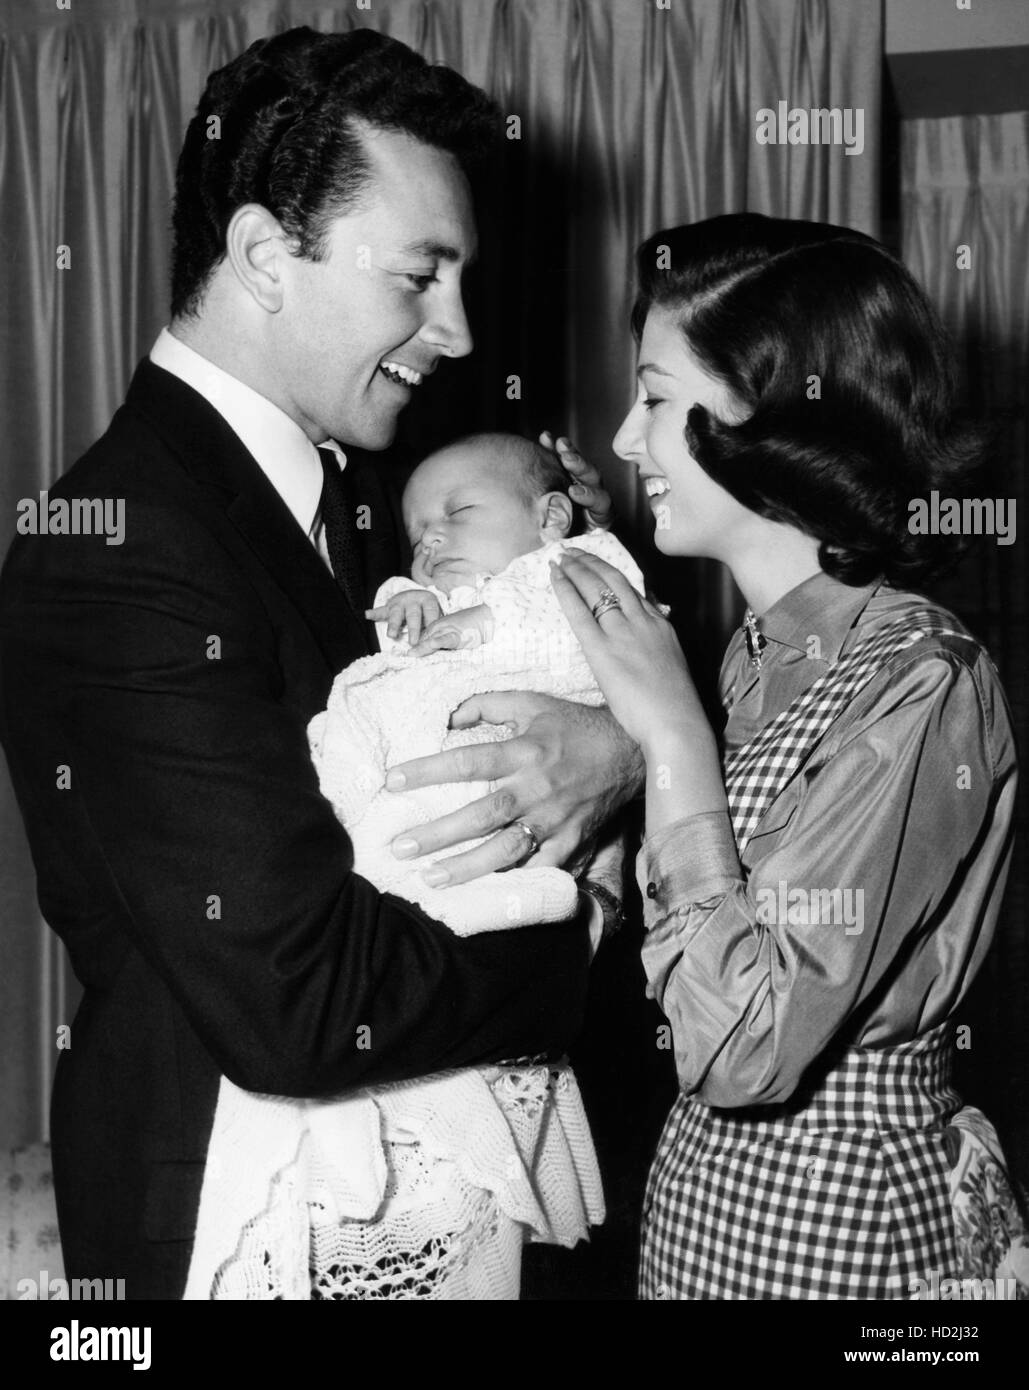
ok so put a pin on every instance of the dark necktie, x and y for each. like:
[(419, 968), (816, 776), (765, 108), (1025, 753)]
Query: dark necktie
[(339, 517)]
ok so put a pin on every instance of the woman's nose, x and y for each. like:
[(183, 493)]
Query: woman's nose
[(627, 441)]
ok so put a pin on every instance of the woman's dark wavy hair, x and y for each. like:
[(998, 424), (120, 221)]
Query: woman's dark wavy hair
[(765, 304), (285, 137)]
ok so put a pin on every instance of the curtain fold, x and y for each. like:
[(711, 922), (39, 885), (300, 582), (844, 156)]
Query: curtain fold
[(632, 117), (965, 184)]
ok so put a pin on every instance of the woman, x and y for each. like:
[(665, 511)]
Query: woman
[(818, 905)]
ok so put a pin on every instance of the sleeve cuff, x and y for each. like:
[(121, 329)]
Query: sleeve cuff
[(688, 862)]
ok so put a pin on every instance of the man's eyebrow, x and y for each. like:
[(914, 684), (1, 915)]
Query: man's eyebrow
[(652, 367), (438, 250)]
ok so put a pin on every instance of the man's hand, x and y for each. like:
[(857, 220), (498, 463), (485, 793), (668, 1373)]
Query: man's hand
[(567, 769), (413, 609)]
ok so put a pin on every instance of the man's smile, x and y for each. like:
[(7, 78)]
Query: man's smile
[(400, 373)]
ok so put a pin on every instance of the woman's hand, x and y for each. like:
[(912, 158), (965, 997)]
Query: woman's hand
[(640, 667), (587, 488), (633, 650)]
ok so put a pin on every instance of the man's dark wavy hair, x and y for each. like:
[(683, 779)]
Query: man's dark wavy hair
[(287, 109), (765, 304)]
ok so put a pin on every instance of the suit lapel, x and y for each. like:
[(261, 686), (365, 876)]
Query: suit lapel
[(214, 456), (264, 520)]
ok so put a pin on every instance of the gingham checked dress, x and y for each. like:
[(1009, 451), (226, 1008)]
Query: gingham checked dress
[(843, 1191)]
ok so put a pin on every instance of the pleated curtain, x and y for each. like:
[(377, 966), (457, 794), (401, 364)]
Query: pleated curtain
[(630, 115), (965, 236)]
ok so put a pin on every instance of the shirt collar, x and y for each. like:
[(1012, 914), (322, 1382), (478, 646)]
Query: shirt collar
[(811, 621), (820, 608), (279, 446)]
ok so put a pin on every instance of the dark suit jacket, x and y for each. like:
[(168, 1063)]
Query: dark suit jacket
[(200, 881)]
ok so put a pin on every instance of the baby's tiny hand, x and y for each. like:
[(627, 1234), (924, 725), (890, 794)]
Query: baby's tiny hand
[(413, 609), (460, 631)]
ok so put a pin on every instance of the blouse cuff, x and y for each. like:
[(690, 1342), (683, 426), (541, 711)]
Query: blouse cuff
[(685, 863)]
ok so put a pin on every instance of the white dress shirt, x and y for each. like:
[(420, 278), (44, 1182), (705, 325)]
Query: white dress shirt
[(283, 452)]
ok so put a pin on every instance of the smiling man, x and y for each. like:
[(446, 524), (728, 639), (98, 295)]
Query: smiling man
[(338, 343), (155, 696)]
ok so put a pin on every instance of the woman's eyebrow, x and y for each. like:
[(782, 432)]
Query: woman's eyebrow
[(652, 367)]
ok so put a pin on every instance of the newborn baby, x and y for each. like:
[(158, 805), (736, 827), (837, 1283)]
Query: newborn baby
[(473, 511), (426, 1189), (486, 517)]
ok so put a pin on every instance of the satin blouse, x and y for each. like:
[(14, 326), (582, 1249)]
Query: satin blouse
[(868, 894)]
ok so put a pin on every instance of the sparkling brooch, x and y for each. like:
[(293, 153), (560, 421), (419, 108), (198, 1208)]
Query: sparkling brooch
[(756, 641)]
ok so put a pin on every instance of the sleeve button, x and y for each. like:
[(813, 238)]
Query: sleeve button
[(651, 890)]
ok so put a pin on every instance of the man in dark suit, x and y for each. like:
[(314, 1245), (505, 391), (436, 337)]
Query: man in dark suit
[(157, 684)]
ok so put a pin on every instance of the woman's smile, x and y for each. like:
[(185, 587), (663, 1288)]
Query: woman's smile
[(653, 438)]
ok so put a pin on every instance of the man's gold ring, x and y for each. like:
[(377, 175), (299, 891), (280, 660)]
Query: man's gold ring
[(534, 839)]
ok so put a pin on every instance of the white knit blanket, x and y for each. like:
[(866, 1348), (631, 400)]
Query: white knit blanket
[(424, 1189)]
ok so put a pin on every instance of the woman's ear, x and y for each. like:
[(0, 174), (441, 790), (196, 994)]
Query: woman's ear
[(556, 516)]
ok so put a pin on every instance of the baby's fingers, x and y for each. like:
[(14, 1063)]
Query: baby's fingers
[(413, 616), (442, 639), (377, 615), (397, 616)]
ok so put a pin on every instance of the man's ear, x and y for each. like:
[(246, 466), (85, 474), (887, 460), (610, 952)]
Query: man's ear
[(254, 247), (556, 516)]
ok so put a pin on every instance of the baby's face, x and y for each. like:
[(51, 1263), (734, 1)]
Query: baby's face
[(465, 515)]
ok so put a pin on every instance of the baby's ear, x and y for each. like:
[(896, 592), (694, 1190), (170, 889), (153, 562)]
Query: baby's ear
[(557, 515)]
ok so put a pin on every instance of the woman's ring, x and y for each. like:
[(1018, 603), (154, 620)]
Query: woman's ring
[(608, 599), (534, 839)]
